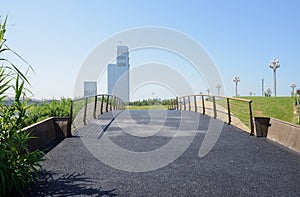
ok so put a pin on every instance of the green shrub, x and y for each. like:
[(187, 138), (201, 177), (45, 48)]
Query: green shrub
[(56, 108), (18, 166)]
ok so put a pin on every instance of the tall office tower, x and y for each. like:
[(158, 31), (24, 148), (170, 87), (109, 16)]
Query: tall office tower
[(118, 75), (90, 88)]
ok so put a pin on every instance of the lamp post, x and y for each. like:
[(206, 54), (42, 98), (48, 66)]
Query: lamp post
[(274, 64), (236, 80), (208, 91), (262, 87), (218, 87), (293, 85)]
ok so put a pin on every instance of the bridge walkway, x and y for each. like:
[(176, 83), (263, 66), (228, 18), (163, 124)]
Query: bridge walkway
[(237, 165)]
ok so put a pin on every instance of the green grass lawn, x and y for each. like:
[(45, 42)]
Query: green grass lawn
[(148, 107), (277, 107)]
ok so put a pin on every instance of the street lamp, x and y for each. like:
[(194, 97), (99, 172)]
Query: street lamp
[(274, 64), (218, 87), (293, 85), (236, 80)]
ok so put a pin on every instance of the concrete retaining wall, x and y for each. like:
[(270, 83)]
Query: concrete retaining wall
[(47, 132), (285, 133)]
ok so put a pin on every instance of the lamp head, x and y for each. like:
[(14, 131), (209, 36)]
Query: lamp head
[(274, 64)]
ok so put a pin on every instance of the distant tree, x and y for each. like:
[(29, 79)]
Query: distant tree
[(151, 102), (296, 98), (268, 92)]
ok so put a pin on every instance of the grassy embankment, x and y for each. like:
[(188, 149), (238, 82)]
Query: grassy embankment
[(277, 107)]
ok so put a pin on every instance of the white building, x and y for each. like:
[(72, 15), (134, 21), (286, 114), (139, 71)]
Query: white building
[(118, 75), (90, 88)]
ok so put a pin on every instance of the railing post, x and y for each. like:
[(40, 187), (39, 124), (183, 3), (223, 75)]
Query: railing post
[(102, 100), (85, 109), (117, 104), (107, 101), (228, 109), (184, 106), (95, 107), (251, 119), (114, 103), (189, 103), (173, 104), (195, 102), (214, 106), (69, 133), (203, 106), (111, 103), (180, 104)]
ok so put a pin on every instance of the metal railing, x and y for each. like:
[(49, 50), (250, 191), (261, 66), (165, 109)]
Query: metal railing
[(298, 110), (191, 101), (173, 104), (89, 108)]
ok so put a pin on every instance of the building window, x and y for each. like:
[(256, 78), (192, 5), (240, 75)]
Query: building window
[(121, 64)]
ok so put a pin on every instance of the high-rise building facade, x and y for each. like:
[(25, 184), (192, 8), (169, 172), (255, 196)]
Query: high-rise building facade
[(90, 88), (118, 75)]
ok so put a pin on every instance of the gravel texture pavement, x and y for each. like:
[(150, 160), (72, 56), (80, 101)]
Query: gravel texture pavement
[(238, 164)]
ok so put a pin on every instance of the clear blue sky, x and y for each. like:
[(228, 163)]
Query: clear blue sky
[(241, 36)]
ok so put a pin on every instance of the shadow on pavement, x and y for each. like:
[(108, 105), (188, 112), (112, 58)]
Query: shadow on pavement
[(75, 184)]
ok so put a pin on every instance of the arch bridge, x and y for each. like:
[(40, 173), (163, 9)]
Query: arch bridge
[(177, 152)]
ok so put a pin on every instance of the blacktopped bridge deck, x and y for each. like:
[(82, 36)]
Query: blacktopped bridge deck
[(237, 165)]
